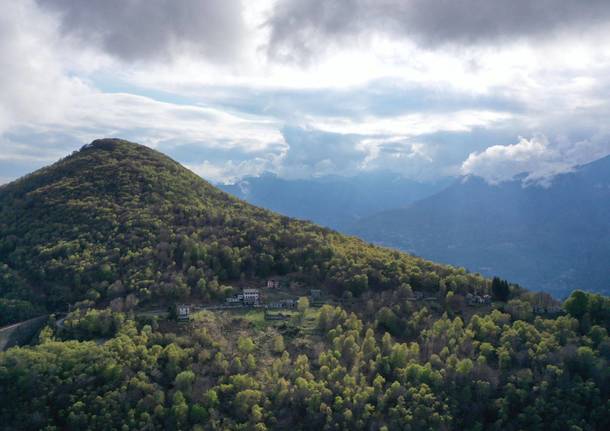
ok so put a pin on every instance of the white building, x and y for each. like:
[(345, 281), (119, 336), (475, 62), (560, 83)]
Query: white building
[(251, 296), (184, 312)]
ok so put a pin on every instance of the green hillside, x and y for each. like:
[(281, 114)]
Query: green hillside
[(387, 342), (117, 218)]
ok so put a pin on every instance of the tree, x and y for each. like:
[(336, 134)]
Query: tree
[(387, 320), (131, 301), (245, 400), (278, 344), (172, 312), (201, 286), (500, 289), (180, 409), (303, 304), (577, 304), (245, 344), (184, 381), (520, 310)]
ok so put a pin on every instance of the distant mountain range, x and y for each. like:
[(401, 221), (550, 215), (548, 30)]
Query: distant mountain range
[(333, 201), (554, 238)]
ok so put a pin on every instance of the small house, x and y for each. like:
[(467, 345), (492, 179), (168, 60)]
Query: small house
[(315, 294), (235, 299), (288, 303), (273, 283), (251, 296), (184, 312), (475, 299)]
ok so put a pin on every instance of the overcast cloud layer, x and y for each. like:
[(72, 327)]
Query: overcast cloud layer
[(144, 29), (306, 88), (301, 28)]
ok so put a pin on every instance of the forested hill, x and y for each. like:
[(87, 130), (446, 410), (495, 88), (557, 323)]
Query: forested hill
[(391, 343), (117, 218)]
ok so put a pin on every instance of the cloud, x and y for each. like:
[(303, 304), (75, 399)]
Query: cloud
[(379, 102), (411, 124), (46, 111), (230, 172), (537, 157), (312, 152), (144, 120), (154, 122), (135, 30), (300, 29), (33, 84)]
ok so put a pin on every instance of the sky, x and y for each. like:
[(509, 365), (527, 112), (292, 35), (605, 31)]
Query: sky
[(307, 88)]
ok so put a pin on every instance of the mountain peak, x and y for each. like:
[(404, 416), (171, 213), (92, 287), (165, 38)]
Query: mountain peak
[(108, 144)]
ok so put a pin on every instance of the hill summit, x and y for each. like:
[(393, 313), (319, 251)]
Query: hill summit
[(118, 218)]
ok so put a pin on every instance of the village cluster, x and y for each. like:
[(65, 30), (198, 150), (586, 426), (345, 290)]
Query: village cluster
[(472, 299), (252, 297)]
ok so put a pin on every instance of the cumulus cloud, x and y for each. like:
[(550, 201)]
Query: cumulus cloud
[(301, 28), (538, 158), (143, 29)]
